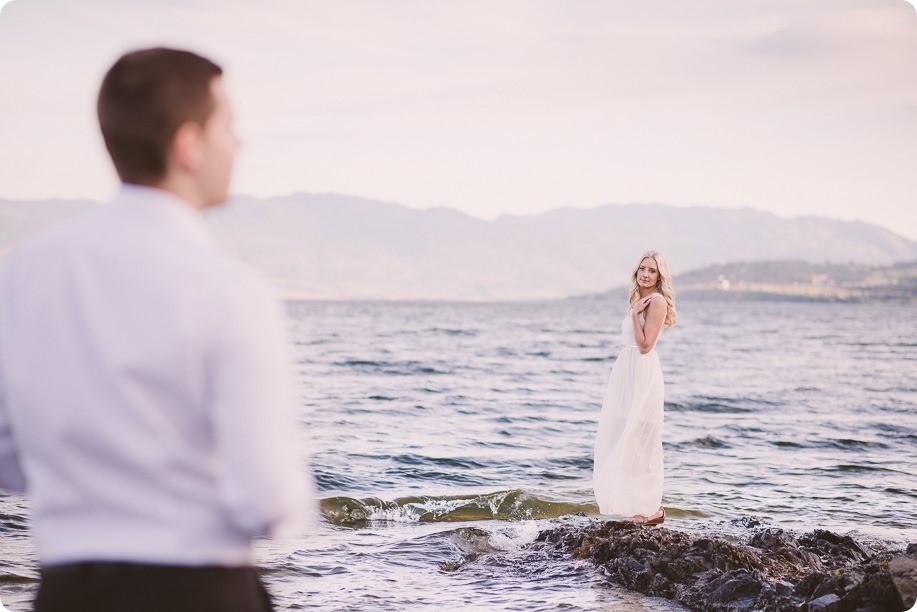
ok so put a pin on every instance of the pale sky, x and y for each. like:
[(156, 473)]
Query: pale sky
[(497, 106)]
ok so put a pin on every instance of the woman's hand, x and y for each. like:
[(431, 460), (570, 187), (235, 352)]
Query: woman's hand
[(647, 333), (641, 304)]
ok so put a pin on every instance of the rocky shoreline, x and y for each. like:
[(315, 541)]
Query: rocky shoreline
[(767, 569)]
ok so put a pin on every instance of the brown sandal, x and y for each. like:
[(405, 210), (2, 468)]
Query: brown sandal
[(642, 520)]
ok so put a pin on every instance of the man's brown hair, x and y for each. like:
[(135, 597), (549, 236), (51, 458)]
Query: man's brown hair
[(144, 98)]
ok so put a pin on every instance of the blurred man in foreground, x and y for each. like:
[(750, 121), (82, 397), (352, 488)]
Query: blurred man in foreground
[(146, 403)]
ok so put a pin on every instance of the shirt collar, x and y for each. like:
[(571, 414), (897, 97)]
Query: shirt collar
[(158, 204)]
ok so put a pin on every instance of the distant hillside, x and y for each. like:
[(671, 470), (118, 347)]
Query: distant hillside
[(326, 246), (794, 281), (802, 281)]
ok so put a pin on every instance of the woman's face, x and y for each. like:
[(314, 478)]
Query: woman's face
[(647, 273)]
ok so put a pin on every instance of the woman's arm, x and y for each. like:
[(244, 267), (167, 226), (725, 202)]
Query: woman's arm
[(654, 316)]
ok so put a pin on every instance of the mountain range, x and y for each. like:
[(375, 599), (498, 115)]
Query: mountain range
[(329, 246)]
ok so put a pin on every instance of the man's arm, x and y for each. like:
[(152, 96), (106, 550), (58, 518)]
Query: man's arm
[(264, 481), (12, 477)]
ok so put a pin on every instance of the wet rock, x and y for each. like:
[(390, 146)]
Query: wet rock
[(660, 586), (768, 569), (732, 588), (747, 522), (782, 548), (904, 575), (834, 546)]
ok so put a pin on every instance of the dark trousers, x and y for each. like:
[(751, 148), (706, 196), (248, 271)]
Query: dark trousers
[(138, 587)]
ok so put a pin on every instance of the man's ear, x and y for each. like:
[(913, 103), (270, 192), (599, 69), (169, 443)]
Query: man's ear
[(187, 149)]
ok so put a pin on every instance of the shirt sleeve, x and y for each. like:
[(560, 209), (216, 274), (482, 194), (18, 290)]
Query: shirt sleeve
[(264, 481), (12, 477)]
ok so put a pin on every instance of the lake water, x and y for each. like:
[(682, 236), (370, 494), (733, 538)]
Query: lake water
[(445, 436)]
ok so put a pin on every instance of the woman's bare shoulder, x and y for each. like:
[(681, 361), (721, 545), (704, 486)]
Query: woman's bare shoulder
[(657, 306)]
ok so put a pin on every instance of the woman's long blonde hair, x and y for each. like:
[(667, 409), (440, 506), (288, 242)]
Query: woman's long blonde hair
[(663, 285)]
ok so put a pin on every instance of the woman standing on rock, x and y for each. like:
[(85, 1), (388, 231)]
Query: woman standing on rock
[(627, 475)]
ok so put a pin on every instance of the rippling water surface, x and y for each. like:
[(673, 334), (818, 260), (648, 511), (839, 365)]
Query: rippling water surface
[(445, 436)]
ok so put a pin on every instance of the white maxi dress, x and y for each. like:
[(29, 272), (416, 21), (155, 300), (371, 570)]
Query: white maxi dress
[(627, 473)]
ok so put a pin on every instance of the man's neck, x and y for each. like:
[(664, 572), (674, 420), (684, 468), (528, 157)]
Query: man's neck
[(183, 190)]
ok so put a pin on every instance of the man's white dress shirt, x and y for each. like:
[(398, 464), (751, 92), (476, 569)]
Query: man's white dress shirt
[(146, 402)]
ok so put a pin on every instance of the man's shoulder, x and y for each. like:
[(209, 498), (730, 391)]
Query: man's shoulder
[(58, 240)]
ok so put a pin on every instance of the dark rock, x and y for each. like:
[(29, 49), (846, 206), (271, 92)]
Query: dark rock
[(903, 570), (771, 569), (747, 521), (833, 546), (769, 539), (876, 588), (827, 586), (825, 603), (660, 586), (781, 547), (807, 586), (731, 587), (783, 588), (682, 569)]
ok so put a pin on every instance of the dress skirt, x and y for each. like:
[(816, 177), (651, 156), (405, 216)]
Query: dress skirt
[(628, 469)]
